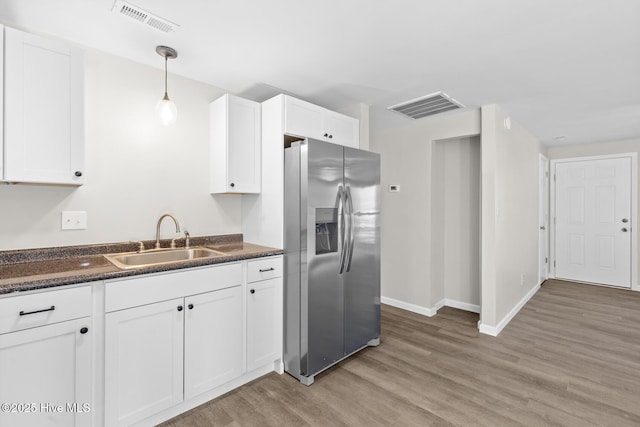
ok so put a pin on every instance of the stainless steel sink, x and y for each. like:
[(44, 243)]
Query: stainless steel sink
[(128, 260)]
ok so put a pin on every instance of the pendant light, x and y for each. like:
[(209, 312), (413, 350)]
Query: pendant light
[(166, 108)]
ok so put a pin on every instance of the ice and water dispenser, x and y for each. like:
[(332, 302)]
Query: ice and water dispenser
[(326, 230)]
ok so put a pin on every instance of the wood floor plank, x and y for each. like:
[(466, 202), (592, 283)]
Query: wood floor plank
[(571, 357)]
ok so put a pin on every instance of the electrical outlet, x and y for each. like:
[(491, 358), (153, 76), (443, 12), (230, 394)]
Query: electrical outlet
[(74, 220)]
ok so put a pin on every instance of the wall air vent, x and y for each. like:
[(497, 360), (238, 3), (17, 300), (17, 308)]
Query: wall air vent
[(144, 17), (427, 105)]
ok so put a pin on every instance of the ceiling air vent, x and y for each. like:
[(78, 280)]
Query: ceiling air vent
[(144, 17), (428, 105)]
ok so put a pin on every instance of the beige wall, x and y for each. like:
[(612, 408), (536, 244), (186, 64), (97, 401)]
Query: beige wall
[(135, 168), (461, 215), (600, 149), (509, 217), (406, 147)]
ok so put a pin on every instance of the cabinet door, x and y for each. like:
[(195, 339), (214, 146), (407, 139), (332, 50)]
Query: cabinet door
[(143, 361), (243, 161), (235, 145), (343, 130), (47, 370), (312, 121), (213, 340), (43, 110), (303, 119), (1, 102), (264, 324)]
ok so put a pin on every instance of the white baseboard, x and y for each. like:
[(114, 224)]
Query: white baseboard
[(429, 312), (474, 308), (495, 330)]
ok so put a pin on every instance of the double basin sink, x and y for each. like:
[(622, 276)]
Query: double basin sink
[(129, 260)]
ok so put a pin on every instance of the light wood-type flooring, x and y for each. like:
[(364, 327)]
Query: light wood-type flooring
[(571, 357)]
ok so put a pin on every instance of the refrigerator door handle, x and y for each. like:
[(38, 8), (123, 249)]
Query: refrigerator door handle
[(341, 228), (349, 205)]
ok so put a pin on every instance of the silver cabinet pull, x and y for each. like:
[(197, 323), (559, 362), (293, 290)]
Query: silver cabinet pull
[(262, 270), (25, 313)]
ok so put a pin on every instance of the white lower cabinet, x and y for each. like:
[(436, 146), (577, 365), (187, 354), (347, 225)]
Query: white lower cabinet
[(263, 325), (212, 340), (156, 345), (143, 361), (46, 359), (264, 311), (145, 369), (162, 353)]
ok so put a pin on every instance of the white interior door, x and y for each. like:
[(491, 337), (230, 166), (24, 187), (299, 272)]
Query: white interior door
[(593, 221), (543, 215)]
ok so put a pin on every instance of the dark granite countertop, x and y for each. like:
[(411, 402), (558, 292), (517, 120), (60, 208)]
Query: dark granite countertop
[(30, 269)]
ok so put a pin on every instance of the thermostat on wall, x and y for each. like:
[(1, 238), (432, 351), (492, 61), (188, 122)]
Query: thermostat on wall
[(394, 188)]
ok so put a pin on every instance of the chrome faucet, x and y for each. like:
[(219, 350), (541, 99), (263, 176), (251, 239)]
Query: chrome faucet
[(187, 239), (158, 227)]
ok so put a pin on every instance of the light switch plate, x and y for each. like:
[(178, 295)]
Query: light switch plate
[(74, 220)]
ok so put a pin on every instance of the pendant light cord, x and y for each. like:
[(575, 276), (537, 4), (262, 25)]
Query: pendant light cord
[(165, 77)]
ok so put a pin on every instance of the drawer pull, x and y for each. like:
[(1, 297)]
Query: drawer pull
[(264, 270), (24, 313)]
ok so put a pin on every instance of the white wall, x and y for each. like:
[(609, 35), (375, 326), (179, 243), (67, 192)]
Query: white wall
[(406, 147), (360, 111), (509, 218), (135, 168), (599, 149)]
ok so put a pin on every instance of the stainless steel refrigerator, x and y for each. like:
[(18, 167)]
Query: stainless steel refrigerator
[(332, 255)]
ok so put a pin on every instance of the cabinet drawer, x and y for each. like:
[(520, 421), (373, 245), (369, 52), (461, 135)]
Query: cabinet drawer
[(264, 269), (44, 308), (128, 293)]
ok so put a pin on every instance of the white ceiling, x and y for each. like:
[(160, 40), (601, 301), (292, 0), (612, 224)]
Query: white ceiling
[(558, 67)]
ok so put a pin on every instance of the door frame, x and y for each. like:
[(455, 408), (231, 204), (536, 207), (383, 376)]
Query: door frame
[(634, 210), (543, 192)]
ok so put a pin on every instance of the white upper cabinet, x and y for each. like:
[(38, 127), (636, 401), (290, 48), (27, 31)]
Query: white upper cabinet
[(311, 121), (43, 105), (234, 141), (1, 102)]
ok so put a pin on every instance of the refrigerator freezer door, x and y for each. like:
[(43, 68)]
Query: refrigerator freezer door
[(324, 288), (293, 244), (362, 278)]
